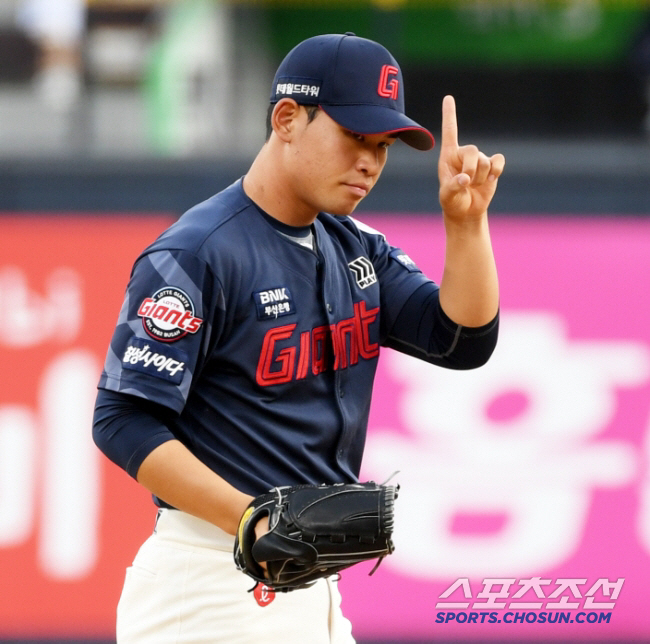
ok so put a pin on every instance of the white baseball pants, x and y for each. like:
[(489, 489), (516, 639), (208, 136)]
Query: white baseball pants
[(184, 588)]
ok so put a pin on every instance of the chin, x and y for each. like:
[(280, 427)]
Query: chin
[(343, 210)]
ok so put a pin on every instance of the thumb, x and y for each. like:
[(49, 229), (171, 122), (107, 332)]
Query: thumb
[(461, 180), (455, 183)]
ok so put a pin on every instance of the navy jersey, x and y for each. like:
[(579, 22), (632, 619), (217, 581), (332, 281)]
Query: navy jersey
[(264, 351)]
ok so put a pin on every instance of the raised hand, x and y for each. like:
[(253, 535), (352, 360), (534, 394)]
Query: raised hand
[(468, 178)]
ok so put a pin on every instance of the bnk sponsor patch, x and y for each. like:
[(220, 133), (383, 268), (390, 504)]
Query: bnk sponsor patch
[(273, 303), (156, 360)]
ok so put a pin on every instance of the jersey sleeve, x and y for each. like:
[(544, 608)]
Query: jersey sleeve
[(128, 428), (169, 319), (413, 321), (423, 330), (398, 275)]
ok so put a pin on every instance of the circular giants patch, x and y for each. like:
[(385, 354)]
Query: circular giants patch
[(168, 315)]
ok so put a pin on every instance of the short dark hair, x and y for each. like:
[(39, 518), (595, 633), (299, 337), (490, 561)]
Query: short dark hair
[(312, 111)]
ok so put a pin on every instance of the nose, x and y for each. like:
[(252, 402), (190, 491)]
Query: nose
[(369, 162)]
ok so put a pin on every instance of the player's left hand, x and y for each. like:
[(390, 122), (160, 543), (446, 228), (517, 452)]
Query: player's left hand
[(468, 178), (262, 528), (314, 531)]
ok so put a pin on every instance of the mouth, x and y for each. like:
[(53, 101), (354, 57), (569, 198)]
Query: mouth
[(359, 189)]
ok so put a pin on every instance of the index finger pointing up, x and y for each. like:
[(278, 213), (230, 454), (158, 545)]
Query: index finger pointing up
[(449, 123)]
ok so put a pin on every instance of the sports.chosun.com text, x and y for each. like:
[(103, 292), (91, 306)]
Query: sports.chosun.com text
[(522, 617)]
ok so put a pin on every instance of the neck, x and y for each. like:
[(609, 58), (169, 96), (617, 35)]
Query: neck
[(270, 187)]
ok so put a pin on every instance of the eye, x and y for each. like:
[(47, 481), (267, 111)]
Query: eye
[(355, 135)]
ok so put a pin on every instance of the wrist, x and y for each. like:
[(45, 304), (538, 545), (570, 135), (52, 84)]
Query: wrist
[(229, 522), (465, 225)]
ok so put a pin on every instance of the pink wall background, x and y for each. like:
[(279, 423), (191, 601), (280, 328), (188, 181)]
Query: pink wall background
[(533, 466)]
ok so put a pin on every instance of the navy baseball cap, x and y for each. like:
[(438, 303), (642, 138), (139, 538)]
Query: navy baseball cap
[(356, 81)]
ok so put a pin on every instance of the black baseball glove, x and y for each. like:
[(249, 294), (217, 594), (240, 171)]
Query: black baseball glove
[(315, 531)]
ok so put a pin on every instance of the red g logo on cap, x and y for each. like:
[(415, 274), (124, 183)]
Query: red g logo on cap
[(388, 87)]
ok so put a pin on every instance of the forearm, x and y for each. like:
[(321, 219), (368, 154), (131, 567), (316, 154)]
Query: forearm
[(469, 288), (172, 473), (132, 432)]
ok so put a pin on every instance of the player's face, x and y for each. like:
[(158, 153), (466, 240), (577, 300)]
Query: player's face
[(333, 168)]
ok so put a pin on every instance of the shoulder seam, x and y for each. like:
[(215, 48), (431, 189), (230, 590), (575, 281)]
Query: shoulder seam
[(365, 228)]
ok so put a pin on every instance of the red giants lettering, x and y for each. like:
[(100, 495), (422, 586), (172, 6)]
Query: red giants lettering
[(174, 318), (286, 358), (350, 340)]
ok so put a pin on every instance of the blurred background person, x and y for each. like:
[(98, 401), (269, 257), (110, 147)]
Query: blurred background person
[(57, 27)]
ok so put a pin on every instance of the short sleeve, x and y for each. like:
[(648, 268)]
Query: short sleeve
[(169, 319), (398, 275)]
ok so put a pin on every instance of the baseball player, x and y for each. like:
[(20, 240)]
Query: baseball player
[(244, 354)]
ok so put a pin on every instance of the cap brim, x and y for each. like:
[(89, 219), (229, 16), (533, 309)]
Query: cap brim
[(376, 119)]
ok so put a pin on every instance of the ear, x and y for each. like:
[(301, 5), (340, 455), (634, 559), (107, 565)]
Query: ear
[(283, 119)]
